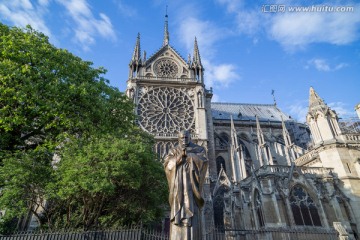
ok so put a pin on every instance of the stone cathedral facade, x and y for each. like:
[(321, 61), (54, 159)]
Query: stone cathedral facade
[(266, 171)]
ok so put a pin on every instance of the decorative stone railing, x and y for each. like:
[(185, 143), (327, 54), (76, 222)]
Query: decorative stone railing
[(316, 170), (352, 137), (166, 79), (277, 168), (307, 157), (173, 135), (280, 169)]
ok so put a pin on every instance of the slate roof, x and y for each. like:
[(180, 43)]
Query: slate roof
[(245, 111)]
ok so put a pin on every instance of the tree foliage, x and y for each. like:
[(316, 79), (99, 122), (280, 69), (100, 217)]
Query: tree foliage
[(55, 106)]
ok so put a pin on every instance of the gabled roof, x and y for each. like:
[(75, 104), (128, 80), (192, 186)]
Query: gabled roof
[(162, 50), (245, 111)]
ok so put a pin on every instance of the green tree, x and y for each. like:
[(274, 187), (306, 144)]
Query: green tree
[(54, 105), (107, 181)]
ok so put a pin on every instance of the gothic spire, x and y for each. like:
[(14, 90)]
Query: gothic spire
[(286, 134), (136, 57), (237, 156), (166, 30), (315, 102), (289, 152), (324, 127), (264, 151), (259, 132), (196, 55)]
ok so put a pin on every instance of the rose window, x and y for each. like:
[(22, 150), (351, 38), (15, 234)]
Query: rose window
[(166, 68), (166, 110)]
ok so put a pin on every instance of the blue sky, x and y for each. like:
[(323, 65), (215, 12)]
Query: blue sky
[(248, 48)]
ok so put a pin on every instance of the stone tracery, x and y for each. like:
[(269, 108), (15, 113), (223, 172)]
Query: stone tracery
[(166, 68), (166, 110)]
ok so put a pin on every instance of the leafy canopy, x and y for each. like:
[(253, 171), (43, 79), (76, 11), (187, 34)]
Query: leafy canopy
[(69, 151)]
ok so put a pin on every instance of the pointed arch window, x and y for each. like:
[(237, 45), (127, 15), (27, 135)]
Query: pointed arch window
[(218, 206), (304, 208), (258, 209)]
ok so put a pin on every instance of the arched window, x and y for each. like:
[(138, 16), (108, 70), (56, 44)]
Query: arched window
[(303, 208), (258, 209), (220, 161), (218, 206)]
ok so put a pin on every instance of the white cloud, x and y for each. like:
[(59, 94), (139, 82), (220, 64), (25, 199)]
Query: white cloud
[(324, 66), (215, 98), (207, 33), (249, 22), (43, 3), (294, 30), (221, 75), (298, 110), (87, 27), (231, 5), (23, 12), (125, 9), (342, 110)]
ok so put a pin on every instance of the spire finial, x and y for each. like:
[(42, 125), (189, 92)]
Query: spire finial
[(136, 57), (273, 94), (166, 29)]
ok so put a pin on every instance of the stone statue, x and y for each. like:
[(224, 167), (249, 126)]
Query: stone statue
[(185, 168)]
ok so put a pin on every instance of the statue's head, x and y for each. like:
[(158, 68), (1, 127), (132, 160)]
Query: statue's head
[(184, 138)]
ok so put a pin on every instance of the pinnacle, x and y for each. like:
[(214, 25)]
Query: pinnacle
[(314, 99), (196, 54), (137, 54)]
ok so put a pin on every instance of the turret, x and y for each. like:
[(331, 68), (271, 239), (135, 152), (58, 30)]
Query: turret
[(196, 65), (322, 120), (135, 62)]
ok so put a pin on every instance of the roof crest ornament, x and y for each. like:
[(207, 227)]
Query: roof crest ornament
[(166, 29)]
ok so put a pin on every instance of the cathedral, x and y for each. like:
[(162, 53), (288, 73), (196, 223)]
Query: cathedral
[(267, 173)]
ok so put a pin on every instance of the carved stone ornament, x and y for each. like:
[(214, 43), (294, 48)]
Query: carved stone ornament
[(166, 110), (166, 68)]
